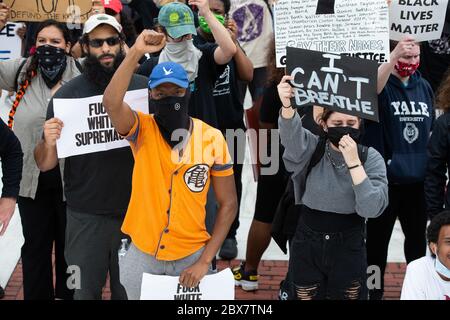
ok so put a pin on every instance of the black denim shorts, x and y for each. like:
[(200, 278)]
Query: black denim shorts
[(329, 265)]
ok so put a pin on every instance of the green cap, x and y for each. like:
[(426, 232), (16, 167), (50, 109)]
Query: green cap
[(178, 19)]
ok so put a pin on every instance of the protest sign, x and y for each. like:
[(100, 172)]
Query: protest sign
[(69, 11), (341, 83), (219, 286), (87, 127), (352, 27), (421, 19), (10, 42)]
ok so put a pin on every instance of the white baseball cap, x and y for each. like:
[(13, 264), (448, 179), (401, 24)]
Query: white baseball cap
[(98, 19)]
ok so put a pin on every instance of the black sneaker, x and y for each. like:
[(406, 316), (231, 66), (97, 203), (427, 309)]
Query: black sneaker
[(229, 249), (247, 280)]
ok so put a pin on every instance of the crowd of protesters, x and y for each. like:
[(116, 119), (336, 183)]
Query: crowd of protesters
[(341, 184)]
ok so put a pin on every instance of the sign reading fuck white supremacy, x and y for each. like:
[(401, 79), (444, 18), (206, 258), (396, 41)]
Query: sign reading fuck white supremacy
[(87, 126), (219, 286)]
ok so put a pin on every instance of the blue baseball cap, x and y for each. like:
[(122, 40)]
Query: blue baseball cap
[(168, 72)]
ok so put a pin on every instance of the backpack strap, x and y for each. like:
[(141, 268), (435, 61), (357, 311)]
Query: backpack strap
[(363, 152), (317, 155)]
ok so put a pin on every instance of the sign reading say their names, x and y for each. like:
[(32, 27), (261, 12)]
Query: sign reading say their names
[(358, 28), (10, 42), (219, 286), (340, 83), (69, 11), (421, 19), (87, 127)]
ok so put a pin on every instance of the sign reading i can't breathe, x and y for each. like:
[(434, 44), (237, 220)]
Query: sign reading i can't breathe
[(340, 83), (358, 28), (87, 127), (421, 19)]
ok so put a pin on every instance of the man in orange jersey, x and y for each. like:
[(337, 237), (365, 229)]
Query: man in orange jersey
[(176, 159)]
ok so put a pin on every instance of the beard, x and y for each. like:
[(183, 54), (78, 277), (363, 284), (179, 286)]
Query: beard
[(99, 74)]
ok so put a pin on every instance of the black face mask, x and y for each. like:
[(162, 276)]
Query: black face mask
[(171, 114), (335, 134), (52, 63)]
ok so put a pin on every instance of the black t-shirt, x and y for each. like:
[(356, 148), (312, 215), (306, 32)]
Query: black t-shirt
[(99, 182), (201, 104), (229, 93)]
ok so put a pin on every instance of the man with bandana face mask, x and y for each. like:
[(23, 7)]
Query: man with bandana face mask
[(406, 104), (171, 178), (95, 206)]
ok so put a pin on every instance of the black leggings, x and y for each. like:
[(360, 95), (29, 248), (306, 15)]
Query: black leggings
[(44, 223), (407, 203)]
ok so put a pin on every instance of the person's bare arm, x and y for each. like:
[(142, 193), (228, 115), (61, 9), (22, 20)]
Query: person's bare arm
[(225, 191), (227, 49), (120, 112), (243, 64)]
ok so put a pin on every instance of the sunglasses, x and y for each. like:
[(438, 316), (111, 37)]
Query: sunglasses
[(97, 43)]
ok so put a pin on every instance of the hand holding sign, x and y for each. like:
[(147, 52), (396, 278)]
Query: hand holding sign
[(403, 48), (285, 91), (52, 131), (4, 14), (97, 7), (150, 41), (191, 276)]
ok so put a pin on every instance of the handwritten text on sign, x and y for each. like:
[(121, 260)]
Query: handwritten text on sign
[(219, 286), (340, 83), (69, 11), (352, 27), (421, 19), (87, 127)]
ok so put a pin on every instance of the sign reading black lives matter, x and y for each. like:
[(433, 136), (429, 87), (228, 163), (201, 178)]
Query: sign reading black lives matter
[(341, 83), (357, 28), (87, 127), (421, 19)]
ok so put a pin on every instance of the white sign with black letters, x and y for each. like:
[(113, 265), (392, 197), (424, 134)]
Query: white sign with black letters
[(87, 127), (352, 27), (219, 286), (421, 19), (10, 42)]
